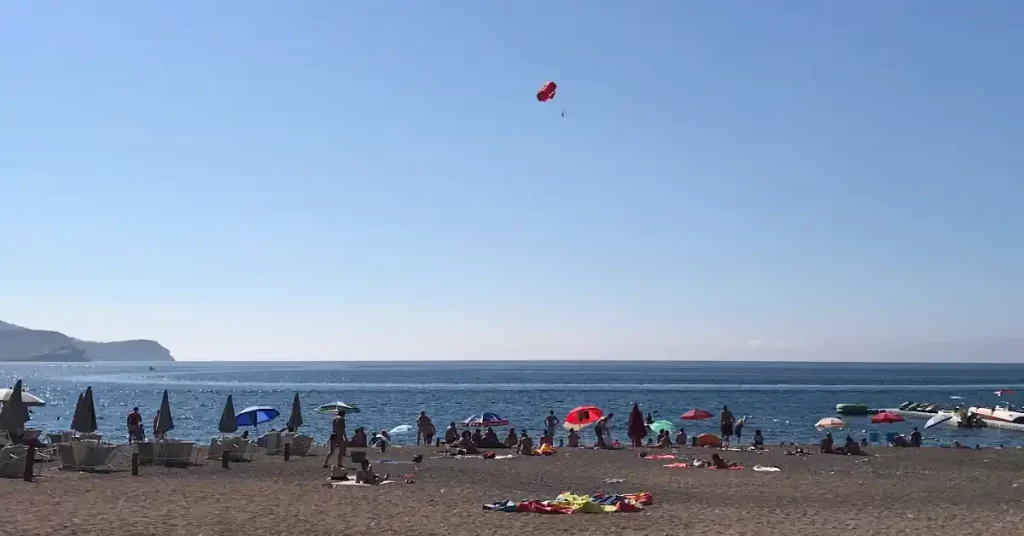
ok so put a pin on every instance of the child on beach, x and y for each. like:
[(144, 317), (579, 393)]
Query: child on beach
[(365, 474)]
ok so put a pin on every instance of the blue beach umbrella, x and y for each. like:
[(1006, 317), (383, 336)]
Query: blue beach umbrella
[(256, 415), (485, 419)]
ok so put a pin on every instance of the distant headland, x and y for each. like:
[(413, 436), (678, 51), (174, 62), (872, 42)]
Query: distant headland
[(35, 345)]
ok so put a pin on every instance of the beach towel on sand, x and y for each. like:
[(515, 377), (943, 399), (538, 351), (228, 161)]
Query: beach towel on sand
[(339, 483), (568, 503)]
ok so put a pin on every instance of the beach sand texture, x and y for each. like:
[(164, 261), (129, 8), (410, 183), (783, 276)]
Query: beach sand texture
[(898, 491)]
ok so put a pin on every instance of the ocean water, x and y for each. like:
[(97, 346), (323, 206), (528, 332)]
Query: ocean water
[(783, 400)]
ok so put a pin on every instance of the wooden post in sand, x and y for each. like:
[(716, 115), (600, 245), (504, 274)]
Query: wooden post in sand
[(30, 462), (135, 464), (287, 451), (225, 457)]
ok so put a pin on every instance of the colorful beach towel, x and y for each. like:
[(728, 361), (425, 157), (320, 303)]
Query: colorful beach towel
[(569, 503)]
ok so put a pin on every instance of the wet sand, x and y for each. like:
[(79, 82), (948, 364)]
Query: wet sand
[(896, 491)]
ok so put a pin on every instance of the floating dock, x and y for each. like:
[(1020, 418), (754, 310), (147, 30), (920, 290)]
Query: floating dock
[(926, 415)]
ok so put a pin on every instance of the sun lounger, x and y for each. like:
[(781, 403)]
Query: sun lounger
[(13, 460), (301, 445), (238, 449), (274, 444), (93, 456)]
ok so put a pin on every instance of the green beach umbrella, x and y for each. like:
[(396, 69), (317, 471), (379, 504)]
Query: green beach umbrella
[(660, 426)]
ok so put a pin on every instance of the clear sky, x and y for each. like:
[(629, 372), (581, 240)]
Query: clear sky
[(375, 180)]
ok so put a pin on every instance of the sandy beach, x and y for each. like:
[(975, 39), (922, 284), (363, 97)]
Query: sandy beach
[(894, 491)]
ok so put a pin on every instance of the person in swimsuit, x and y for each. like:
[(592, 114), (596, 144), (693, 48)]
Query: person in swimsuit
[(423, 425), (365, 474), (727, 422), (134, 426), (551, 423), (337, 438)]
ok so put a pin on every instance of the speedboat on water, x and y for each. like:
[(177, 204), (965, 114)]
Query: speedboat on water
[(1001, 412)]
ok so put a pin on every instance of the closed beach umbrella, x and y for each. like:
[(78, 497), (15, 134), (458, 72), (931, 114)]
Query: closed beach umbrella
[(663, 426), (227, 423), (78, 419), (937, 420), (886, 417), (696, 415), (15, 413), (90, 411), (333, 407), (164, 421), (485, 419), (635, 427), (582, 417), (256, 415), (295, 418), (27, 398), (830, 422)]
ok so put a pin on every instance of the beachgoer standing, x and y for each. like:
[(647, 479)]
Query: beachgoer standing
[(337, 438), (551, 423), (134, 425), (738, 429), (649, 420), (423, 425), (601, 429), (727, 422)]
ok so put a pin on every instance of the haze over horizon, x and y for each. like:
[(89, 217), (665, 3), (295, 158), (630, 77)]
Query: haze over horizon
[(260, 181)]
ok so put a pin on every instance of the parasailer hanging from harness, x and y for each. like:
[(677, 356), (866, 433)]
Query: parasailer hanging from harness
[(547, 92)]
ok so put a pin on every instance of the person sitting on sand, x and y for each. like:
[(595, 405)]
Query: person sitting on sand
[(490, 440), (511, 440), (827, 444), (574, 439), (851, 447), (478, 438), (719, 463), (525, 447), (359, 438), (915, 438), (681, 438), (365, 474), (664, 442), (758, 440), (451, 434)]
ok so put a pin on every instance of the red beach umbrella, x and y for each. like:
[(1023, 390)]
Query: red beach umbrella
[(696, 415), (886, 417), (582, 417)]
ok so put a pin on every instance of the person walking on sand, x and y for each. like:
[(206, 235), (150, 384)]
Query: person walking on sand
[(727, 422), (423, 425), (551, 423), (337, 438)]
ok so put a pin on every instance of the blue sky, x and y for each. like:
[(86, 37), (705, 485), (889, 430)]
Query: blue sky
[(338, 180)]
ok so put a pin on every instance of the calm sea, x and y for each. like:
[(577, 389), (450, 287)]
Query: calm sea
[(784, 400)]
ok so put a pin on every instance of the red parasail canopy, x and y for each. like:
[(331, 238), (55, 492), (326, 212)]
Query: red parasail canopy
[(547, 92)]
